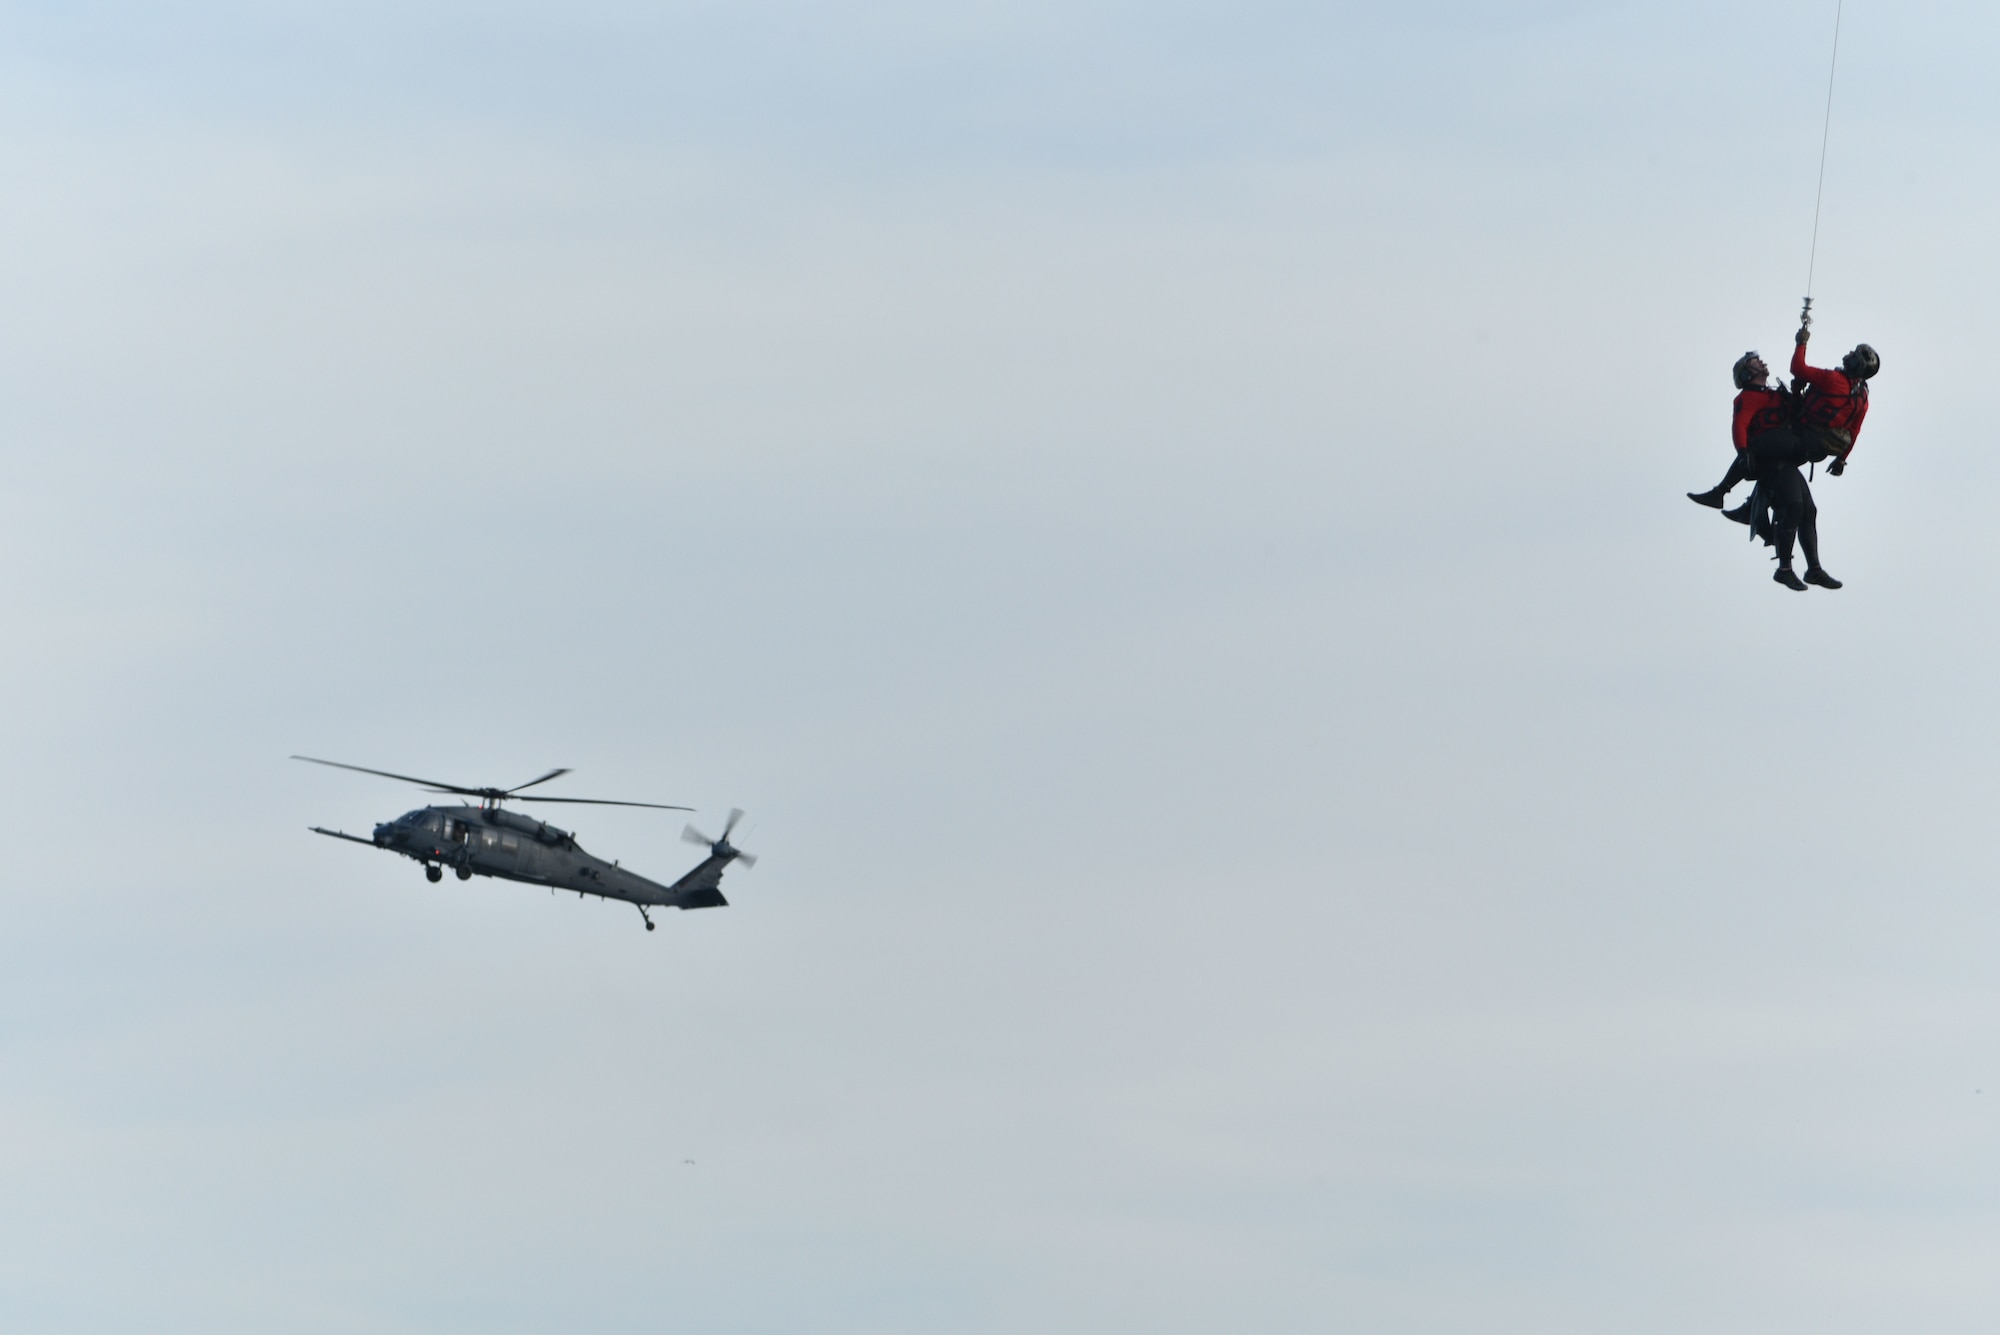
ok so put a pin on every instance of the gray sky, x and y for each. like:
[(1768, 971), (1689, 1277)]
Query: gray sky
[(1276, 815)]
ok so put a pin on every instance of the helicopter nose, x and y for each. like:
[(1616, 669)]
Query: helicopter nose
[(382, 833)]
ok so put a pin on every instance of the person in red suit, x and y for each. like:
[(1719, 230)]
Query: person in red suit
[(1761, 409), (1835, 402)]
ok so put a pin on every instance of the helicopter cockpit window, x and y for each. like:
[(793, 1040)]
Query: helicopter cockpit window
[(455, 831)]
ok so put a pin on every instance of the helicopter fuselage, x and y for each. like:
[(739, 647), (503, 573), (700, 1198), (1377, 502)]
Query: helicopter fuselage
[(487, 841)]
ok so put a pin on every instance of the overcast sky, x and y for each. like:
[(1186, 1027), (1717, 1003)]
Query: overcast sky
[(1275, 813)]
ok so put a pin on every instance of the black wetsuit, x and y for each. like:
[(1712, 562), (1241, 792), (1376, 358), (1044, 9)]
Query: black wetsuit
[(1777, 457), (1743, 468), (1758, 411)]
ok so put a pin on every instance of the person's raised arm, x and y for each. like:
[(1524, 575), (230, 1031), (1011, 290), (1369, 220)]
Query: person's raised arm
[(1820, 378)]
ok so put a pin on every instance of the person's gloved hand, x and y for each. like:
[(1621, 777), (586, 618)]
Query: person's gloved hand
[(1837, 467), (1803, 336)]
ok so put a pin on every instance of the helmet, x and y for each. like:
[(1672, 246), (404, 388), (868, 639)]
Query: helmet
[(1745, 377), (1862, 363)]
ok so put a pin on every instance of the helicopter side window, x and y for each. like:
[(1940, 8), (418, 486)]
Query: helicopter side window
[(499, 841)]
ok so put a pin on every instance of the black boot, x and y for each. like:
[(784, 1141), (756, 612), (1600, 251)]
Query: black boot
[(1785, 577), (1740, 515), (1712, 498), (1815, 575)]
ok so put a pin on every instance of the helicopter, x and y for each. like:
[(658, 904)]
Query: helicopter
[(488, 840)]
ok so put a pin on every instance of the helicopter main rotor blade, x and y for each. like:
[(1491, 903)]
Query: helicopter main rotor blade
[(493, 794), (600, 802), (432, 784)]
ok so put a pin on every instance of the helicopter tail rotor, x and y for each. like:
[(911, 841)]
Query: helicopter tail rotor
[(722, 848)]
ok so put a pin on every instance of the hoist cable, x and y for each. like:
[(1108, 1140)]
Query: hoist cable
[(1825, 127)]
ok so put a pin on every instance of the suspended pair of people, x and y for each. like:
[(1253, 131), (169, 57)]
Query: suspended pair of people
[(1779, 430)]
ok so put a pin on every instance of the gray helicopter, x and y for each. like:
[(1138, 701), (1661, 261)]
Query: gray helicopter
[(487, 840)]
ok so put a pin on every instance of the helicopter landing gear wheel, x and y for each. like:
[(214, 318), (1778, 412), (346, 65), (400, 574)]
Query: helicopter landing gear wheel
[(465, 873), (647, 916), (434, 874)]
